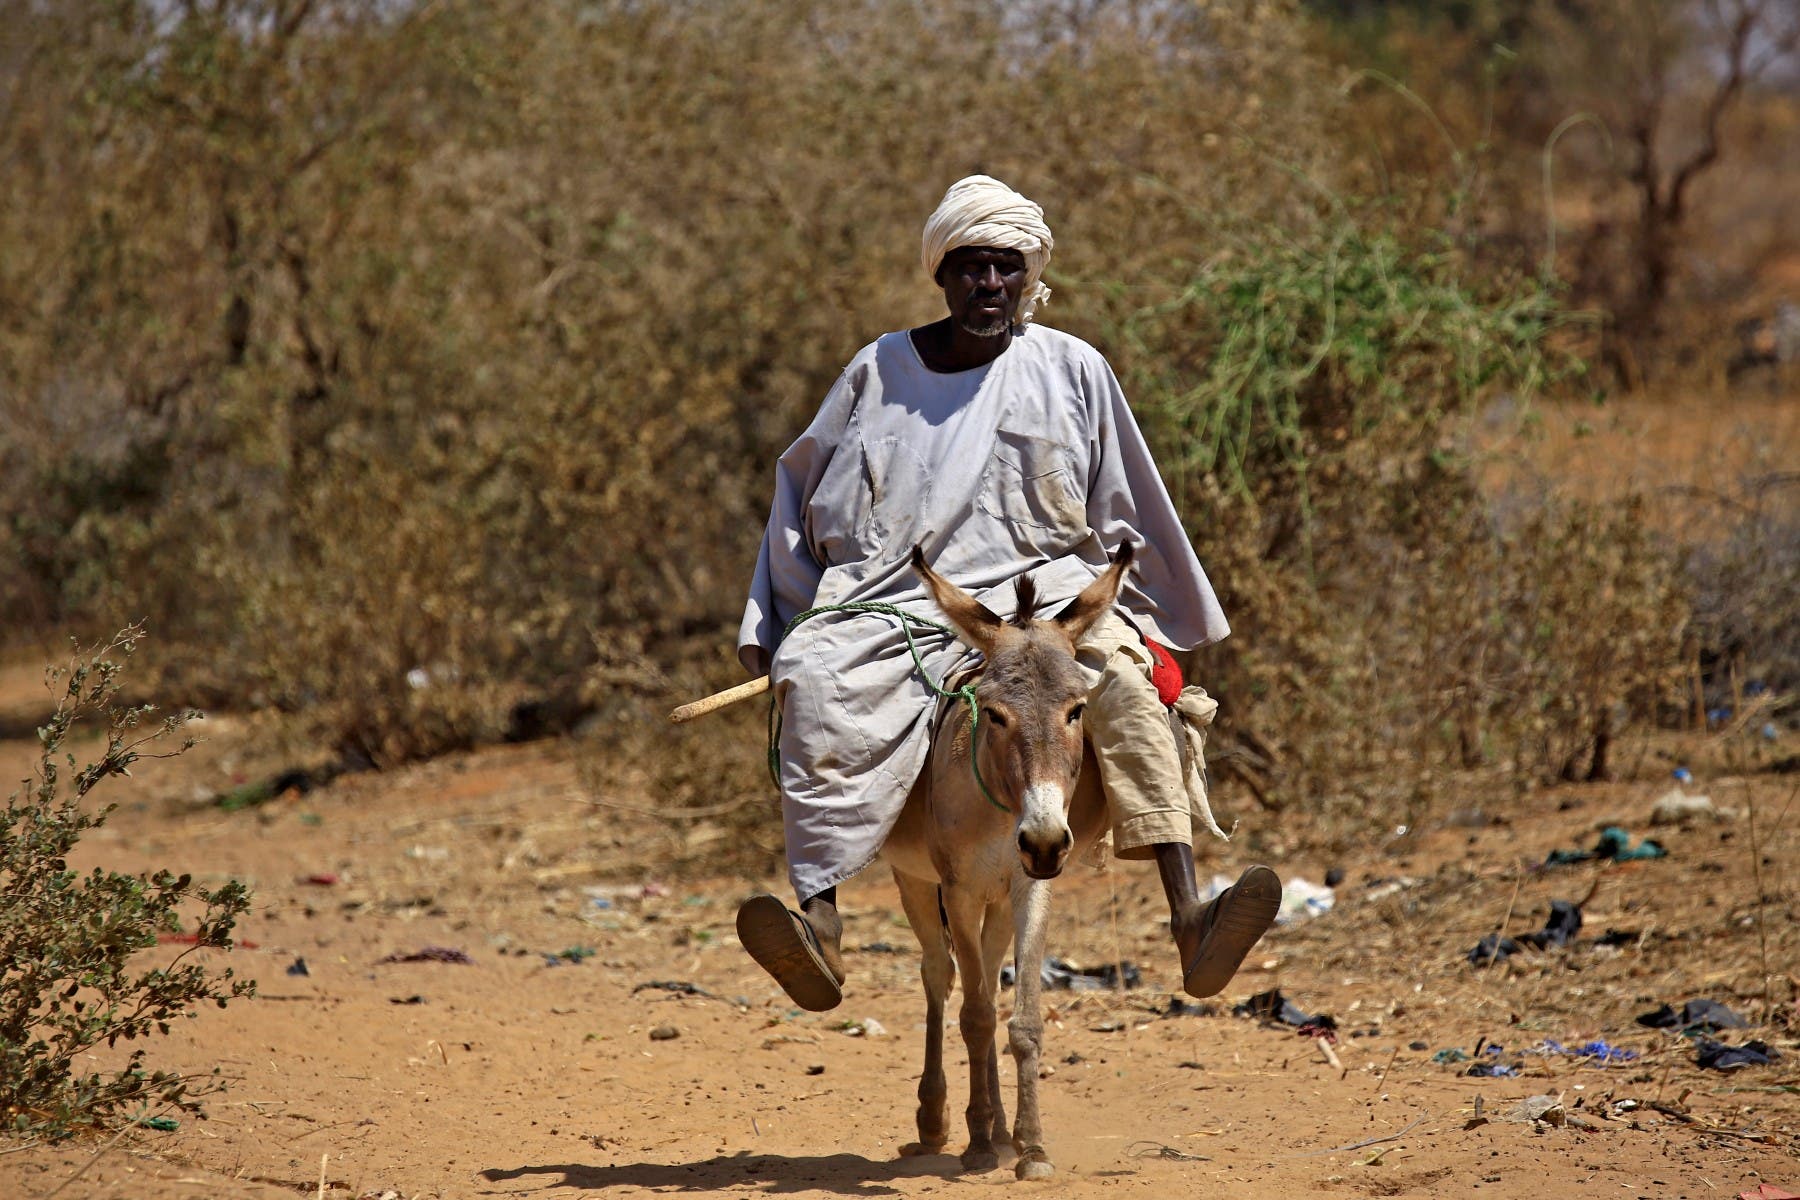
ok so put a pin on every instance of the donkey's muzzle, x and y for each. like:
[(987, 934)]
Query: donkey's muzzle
[(1044, 855)]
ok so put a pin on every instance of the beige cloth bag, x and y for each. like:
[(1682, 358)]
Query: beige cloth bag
[(1191, 716)]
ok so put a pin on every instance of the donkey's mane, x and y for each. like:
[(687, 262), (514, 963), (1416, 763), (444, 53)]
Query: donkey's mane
[(1028, 600)]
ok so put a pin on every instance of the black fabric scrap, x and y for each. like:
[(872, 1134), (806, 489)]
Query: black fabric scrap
[(1707, 1016), (1717, 1056), (1273, 1006), (1559, 930), (1188, 1008)]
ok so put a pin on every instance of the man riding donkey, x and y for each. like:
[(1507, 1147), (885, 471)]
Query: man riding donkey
[(998, 447)]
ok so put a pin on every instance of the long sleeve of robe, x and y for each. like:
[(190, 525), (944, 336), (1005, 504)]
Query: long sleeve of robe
[(1031, 463)]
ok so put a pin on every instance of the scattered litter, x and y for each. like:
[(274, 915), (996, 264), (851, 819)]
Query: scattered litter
[(322, 879), (1167, 1153), (161, 1124), (1704, 1016), (1598, 1053), (1418, 1045), (680, 987), (429, 853), (406, 999), (651, 890), (1618, 938), (878, 948), (442, 954), (1273, 1006), (572, 954), (783, 1039), (298, 967), (1301, 899), (1768, 1191), (1547, 1110), (816, 1069), (193, 939), (1381, 889), (1108, 1027), (1492, 1070), (1614, 846), (1455, 1054), (1179, 1007), (1682, 775), (601, 903), (664, 1033), (867, 1027), (1057, 975), (1559, 930), (1718, 1056), (1677, 807)]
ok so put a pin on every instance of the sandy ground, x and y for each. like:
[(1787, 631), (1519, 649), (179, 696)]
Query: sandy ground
[(520, 1076)]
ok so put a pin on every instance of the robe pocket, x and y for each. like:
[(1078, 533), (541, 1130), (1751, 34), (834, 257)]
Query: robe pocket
[(1030, 482), (868, 502)]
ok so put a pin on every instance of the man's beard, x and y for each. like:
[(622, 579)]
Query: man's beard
[(986, 329)]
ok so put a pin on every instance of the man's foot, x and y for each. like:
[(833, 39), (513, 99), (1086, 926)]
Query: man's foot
[(800, 952), (1215, 937)]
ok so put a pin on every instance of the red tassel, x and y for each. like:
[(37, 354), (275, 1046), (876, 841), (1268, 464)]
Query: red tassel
[(1165, 673)]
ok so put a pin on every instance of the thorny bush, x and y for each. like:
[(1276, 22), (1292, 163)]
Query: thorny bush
[(70, 978)]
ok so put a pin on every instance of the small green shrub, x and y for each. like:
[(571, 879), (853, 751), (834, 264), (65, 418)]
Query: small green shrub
[(67, 940), (1310, 395)]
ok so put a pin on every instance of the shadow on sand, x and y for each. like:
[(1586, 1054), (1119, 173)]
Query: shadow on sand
[(845, 1174)]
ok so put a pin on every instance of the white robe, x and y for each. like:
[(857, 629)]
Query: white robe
[(1030, 463)]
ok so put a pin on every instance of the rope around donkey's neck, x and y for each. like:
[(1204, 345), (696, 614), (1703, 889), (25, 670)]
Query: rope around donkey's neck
[(907, 621)]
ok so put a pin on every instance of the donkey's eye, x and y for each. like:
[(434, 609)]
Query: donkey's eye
[(993, 715), (1075, 713)]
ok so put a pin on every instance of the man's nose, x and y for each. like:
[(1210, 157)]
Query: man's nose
[(989, 280)]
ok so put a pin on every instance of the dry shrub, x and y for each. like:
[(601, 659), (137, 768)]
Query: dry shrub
[(458, 338), (403, 361)]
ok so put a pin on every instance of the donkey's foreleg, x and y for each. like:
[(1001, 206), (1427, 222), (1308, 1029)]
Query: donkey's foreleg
[(938, 970), (966, 914), (996, 939), (1025, 1032)]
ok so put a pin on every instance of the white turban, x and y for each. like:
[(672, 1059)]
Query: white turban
[(980, 211)]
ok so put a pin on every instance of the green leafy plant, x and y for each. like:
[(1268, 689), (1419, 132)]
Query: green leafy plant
[(70, 977)]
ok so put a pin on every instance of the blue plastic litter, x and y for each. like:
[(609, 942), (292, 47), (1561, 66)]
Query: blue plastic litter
[(1599, 1053)]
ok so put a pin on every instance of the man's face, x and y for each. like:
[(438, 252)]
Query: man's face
[(982, 285)]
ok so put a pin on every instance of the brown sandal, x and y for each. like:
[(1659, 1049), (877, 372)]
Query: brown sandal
[(1233, 923), (785, 946)]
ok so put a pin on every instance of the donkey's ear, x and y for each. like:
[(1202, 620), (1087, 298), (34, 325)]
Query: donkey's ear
[(977, 624), (1098, 596)]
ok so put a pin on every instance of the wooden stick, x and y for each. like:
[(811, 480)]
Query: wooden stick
[(718, 700)]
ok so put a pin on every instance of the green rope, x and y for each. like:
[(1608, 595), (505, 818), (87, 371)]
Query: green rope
[(907, 620)]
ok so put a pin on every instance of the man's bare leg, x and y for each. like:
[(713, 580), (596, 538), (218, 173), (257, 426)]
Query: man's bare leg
[(1214, 938), (800, 950)]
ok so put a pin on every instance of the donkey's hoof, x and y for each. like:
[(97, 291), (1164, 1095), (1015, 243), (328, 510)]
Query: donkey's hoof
[(920, 1149), (1034, 1168), (979, 1160)]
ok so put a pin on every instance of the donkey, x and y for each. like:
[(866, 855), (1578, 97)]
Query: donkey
[(970, 874)]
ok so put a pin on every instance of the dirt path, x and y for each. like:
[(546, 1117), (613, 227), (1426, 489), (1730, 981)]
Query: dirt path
[(519, 1075)]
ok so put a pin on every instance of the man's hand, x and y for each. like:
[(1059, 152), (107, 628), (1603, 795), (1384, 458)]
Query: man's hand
[(759, 661)]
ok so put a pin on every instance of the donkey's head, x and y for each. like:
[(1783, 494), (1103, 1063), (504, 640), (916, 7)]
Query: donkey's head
[(1031, 695)]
